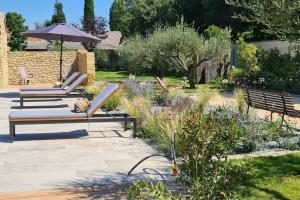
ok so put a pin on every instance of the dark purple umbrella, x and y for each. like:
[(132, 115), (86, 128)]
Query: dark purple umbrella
[(62, 33)]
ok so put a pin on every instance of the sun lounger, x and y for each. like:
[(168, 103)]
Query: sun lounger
[(64, 93), (161, 84), (66, 83), (67, 116)]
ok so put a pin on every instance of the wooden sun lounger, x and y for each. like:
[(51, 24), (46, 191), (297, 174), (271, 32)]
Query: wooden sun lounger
[(66, 83), (64, 93), (161, 84), (67, 116)]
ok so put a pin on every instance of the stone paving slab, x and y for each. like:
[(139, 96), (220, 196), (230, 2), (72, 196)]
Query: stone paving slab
[(56, 156)]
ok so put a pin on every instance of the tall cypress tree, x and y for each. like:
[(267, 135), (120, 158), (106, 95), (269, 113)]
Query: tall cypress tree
[(89, 16), (59, 16)]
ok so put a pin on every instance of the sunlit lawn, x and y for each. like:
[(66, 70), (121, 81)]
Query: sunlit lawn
[(119, 76), (272, 178)]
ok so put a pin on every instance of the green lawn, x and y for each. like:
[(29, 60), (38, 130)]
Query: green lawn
[(123, 75), (272, 178)]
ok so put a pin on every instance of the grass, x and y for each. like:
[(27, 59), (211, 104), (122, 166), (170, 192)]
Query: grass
[(118, 76), (272, 178)]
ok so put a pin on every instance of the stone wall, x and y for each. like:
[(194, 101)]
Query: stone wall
[(44, 66), (86, 64), (3, 53)]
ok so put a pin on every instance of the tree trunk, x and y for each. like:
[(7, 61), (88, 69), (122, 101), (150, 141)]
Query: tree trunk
[(191, 78)]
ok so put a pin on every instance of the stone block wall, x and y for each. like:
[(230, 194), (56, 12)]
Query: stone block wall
[(86, 64), (44, 66), (3, 53)]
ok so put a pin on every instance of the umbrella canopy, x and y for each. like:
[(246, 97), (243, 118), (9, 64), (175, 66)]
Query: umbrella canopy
[(62, 33), (58, 31)]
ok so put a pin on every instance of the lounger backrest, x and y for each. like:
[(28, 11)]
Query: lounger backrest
[(161, 84), (101, 98), (69, 80), (78, 81)]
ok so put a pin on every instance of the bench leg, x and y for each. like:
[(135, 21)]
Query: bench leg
[(12, 132), (21, 102), (125, 122), (134, 128)]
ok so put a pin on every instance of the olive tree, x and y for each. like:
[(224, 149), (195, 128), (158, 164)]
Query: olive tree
[(174, 47), (189, 50)]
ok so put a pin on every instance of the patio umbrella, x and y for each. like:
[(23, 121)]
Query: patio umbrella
[(62, 33)]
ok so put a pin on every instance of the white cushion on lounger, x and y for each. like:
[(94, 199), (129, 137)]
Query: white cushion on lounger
[(78, 81), (101, 98), (39, 88), (49, 114), (67, 82), (41, 93)]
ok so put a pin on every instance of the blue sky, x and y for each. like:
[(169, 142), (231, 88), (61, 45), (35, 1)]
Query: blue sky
[(40, 10)]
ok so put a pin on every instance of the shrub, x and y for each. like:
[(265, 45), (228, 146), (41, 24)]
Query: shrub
[(101, 59), (134, 55), (134, 88), (206, 141), (247, 57), (106, 60), (145, 190)]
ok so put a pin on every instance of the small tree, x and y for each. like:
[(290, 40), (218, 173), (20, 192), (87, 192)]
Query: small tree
[(59, 16), (175, 47), (119, 17), (89, 16), (15, 24), (183, 44)]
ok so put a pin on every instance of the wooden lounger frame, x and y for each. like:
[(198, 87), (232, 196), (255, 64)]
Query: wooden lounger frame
[(105, 117)]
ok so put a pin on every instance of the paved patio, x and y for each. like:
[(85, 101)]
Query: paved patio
[(52, 157)]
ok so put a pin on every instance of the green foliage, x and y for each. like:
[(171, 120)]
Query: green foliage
[(106, 60), (280, 71), (247, 61), (59, 15), (206, 141), (221, 84), (134, 54), (101, 59), (178, 48), (280, 18), (15, 24), (119, 17), (140, 17), (247, 57), (89, 16), (144, 190)]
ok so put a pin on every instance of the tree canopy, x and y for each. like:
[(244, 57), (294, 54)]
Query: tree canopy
[(277, 17), (89, 16), (58, 16), (179, 47), (15, 24), (141, 16)]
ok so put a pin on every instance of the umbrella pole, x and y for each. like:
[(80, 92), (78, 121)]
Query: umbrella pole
[(61, 60)]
